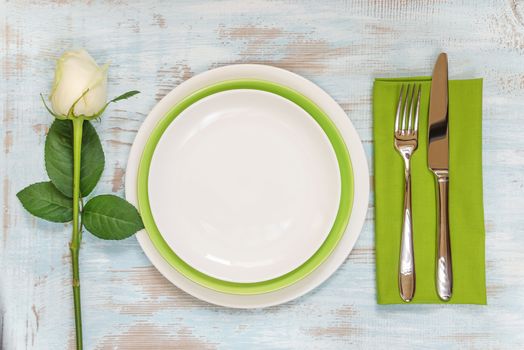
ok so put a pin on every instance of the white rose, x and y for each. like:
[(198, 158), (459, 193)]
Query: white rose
[(77, 72)]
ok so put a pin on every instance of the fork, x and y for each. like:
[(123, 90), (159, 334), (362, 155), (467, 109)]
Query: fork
[(406, 142)]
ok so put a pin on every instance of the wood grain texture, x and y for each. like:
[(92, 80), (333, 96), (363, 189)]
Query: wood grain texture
[(340, 45)]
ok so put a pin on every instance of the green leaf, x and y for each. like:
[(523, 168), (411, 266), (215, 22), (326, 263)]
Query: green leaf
[(45, 201), (111, 217), (125, 96), (59, 157)]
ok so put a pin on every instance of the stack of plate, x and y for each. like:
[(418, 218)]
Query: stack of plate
[(252, 184)]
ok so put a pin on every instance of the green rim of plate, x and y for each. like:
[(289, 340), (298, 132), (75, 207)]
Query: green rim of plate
[(337, 230)]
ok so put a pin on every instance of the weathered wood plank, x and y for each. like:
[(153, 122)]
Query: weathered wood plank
[(340, 45)]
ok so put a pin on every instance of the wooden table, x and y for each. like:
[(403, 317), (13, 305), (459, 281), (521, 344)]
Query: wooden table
[(155, 45)]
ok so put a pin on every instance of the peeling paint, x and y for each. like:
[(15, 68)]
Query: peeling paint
[(139, 337), (118, 178), (301, 53), (8, 141), (169, 76), (158, 293), (251, 32), (339, 332), (118, 143), (506, 27), (41, 129), (37, 317), (160, 20), (6, 216)]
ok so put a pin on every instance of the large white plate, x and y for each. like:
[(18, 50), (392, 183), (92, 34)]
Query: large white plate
[(360, 173), (244, 186)]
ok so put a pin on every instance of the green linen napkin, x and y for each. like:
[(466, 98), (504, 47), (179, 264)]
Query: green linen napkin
[(465, 195)]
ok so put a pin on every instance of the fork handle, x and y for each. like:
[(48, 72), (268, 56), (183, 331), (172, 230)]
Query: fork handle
[(444, 273), (406, 273)]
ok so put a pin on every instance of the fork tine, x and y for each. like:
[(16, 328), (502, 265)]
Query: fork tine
[(417, 110), (411, 108), (404, 114), (397, 116)]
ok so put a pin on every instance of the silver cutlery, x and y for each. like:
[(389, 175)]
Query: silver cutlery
[(438, 163), (406, 142)]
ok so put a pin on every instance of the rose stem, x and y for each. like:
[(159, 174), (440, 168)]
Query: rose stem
[(74, 246)]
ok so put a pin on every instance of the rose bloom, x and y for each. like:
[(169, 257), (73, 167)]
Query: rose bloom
[(77, 72)]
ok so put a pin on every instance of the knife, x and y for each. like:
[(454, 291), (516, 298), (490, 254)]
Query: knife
[(438, 163)]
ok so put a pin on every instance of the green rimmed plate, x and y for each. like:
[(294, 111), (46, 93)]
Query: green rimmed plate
[(186, 228)]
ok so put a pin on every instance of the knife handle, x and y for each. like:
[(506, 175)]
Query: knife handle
[(444, 273)]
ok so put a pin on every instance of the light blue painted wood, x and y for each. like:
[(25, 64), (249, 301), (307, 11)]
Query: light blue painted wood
[(341, 46)]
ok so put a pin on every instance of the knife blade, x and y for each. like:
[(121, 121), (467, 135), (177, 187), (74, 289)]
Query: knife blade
[(438, 163), (438, 158)]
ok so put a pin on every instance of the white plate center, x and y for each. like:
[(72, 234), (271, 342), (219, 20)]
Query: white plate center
[(244, 186)]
